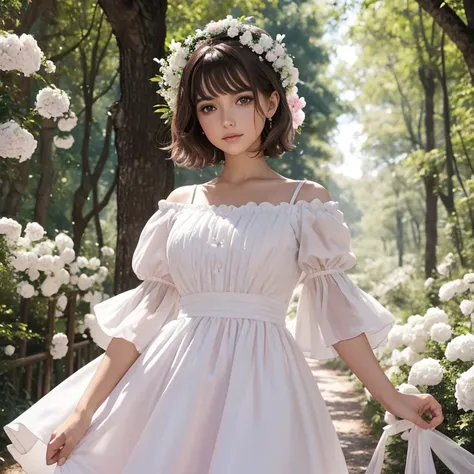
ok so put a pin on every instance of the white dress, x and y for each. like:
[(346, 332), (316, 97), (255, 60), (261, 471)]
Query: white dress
[(221, 386)]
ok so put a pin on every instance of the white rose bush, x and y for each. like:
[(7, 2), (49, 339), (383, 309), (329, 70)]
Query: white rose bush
[(21, 55), (50, 270), (433, 352)]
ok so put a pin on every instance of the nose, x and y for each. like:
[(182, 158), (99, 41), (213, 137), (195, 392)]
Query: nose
[(228, 120)]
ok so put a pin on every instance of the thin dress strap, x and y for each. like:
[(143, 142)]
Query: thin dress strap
[(194, 193), (297, 191)]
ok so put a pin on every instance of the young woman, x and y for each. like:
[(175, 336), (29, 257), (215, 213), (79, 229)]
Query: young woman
[(200, 374)]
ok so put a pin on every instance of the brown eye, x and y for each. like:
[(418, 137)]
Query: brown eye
[(248, 99)]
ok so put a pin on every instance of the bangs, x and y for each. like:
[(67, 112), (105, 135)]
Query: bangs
[(217, 74)]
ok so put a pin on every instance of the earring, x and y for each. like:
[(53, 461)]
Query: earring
[(270, 119)]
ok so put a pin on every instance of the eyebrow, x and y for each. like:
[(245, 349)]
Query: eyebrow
[(202, 99)]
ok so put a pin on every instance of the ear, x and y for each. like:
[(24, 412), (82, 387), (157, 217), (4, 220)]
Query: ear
[(273, 103)]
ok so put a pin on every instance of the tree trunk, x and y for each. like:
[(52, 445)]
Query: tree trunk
[(144, 176), (400, 236), (45, 157), (461, 35), (430, 178)]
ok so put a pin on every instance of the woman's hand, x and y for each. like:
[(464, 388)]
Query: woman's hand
[(410, 407), (66, 437)]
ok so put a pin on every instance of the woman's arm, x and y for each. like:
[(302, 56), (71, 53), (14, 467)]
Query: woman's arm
[(118, 358), (359, 357)]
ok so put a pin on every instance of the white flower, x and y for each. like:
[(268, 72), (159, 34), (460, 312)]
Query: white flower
[(16, 142), (417, 337), (428, 282), (443, 269), (62, 276), (45, 263), (45, 247), (82, 262), (63, 241), (467, 307), (464, 392), (50, 286), (19, 260), (232, 32), (33, 274), (49, 67), (414, 320), (426, 372), (74, 280), (394, 369), (95, 299), (440, 332), (408, 389), (93, 263), (73, 268), (52, 102), (88, 297), (107, 252), (461, 347), (410, 357), (60, 339), (468, 280), (64, 142), (24, 242), (68, 255), (396, 336), (58, 352), (279, 50), (84, 282), (451, 289), (396, 357), (434, 315), (20, 54), (9, 350), (34, 231), (246, 38), (62, 302), (66, 124), (10, 228), (25, 289), (266, 42), (257, 48)]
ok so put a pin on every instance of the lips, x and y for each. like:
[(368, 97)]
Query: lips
[(231, 137)]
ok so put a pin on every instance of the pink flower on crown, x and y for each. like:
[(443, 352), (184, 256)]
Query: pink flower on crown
[(296, 105)]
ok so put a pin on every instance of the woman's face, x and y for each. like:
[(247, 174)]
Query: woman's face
[(232, 123)]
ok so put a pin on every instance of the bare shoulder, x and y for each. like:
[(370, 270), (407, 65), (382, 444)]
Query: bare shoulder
[(312, 190), (182, 194)]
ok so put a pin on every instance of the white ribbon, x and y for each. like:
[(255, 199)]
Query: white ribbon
[(419, 457)]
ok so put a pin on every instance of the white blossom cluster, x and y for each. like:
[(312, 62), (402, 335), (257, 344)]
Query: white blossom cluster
[(44, 266), (9, 350), (67, 123), (20, 54), (461, 347), (52, 102), (397, 278), (264, 46), (16, 142), (59, 345), (64, 142), (444, 268), (426, 372), (464, 392)]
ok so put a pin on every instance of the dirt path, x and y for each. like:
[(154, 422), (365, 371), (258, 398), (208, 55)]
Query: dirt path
[(344, 405)]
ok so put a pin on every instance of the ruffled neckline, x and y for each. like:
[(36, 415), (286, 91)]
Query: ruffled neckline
[(330, 206)]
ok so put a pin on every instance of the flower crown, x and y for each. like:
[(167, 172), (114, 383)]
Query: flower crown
[(262, 45)]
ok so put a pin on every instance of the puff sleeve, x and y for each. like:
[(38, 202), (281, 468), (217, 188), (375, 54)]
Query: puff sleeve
[(331, 307), (139, 314)]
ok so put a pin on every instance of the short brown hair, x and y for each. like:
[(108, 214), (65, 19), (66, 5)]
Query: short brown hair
[(222, 65)]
